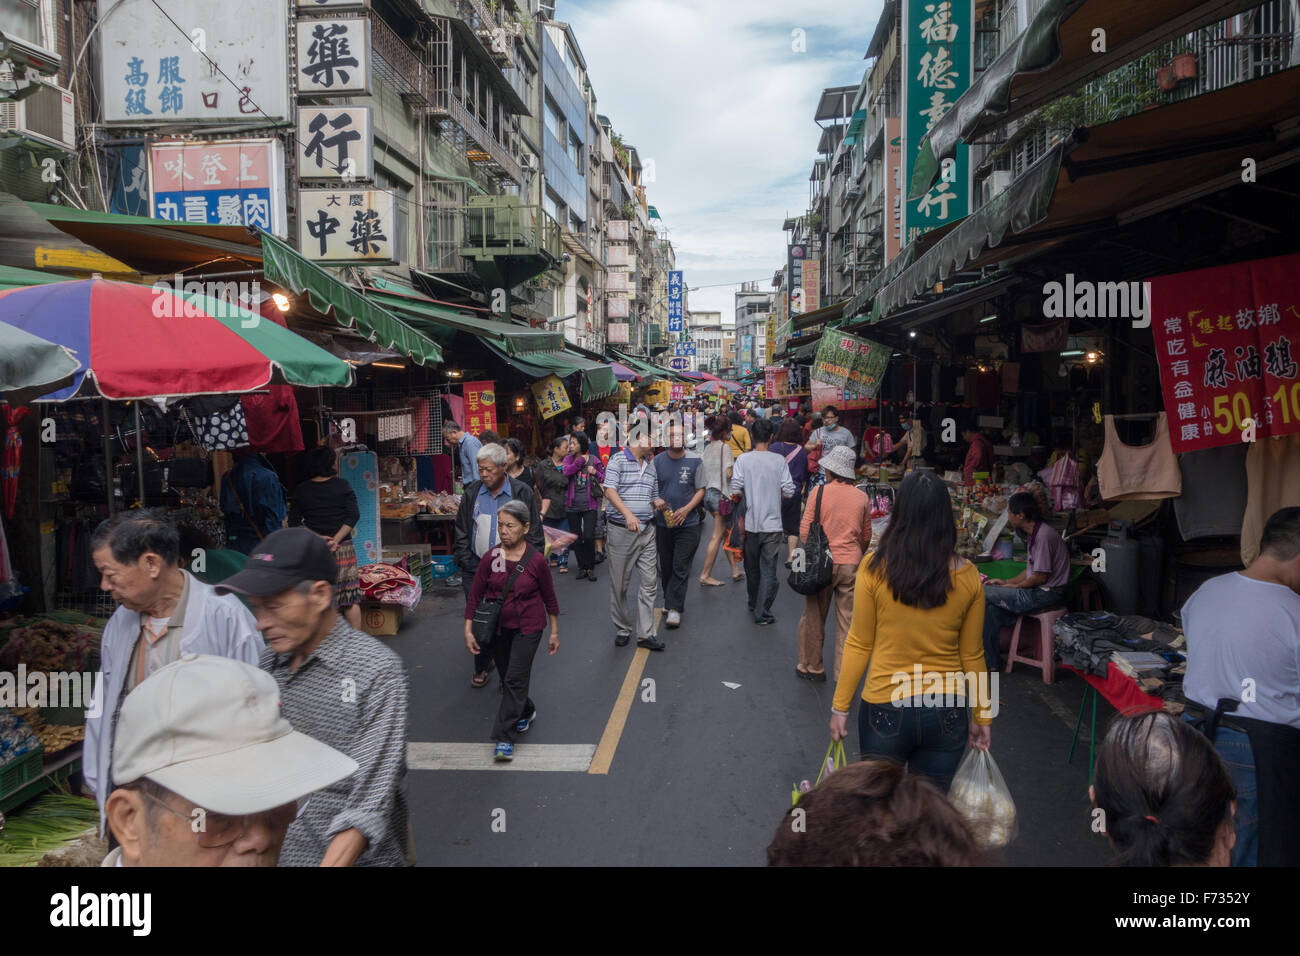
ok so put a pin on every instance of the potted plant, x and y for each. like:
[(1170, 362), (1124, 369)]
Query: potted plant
[(1183, 66), (1165, 78)]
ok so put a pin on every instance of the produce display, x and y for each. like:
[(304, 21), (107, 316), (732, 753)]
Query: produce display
[(46, 824), (53, 737), (17, 738), (48, 645), (394, 502)]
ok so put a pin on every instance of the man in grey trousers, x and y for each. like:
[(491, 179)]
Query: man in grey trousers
[(631, 498)]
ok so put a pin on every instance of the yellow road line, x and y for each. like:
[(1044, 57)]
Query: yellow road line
[(622, 707)]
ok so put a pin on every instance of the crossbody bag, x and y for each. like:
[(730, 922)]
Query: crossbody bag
[(488, 613)]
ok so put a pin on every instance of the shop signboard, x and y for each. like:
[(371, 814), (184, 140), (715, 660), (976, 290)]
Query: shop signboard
[(617, 282), (335, 142), (130, 182), (152, 74), (223, 182), (794, 266), (658, 392), (680, 364), (616, 256), (824, 394), (811, 285), (1228, 346), (346, 225), (846, 361), (684, 348), (937, 51), (550, 395), (616, 333), (616, 230), (893, 189), (776, 381), (675, 301), (681, 392), (480, 407), (334, 56), (616, 308)]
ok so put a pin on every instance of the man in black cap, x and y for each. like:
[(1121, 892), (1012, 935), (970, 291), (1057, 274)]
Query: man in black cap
[(340, 686)]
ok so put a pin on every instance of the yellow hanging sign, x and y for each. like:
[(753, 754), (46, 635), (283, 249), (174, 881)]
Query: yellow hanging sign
[(551, 396)]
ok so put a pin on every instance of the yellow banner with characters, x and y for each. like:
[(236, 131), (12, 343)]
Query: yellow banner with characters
[(550, 396)]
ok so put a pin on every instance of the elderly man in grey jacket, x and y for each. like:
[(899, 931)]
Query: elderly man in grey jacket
[(164, 612)]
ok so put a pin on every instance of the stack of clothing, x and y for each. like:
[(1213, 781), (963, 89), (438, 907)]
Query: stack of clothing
[(1089, 640), (386, 584)]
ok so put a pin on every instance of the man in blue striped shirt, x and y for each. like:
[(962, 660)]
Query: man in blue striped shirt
[(631, 499), (468, 448)]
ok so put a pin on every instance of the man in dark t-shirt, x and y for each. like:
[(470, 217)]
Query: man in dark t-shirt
[(677, 529)]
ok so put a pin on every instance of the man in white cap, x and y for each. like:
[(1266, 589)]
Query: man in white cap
[(207, 771), (339, 686)]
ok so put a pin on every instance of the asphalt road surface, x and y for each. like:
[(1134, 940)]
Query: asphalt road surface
[(684, 757)]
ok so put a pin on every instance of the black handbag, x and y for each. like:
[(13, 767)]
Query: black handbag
[(188, 473), (488, 613), (819, 566)]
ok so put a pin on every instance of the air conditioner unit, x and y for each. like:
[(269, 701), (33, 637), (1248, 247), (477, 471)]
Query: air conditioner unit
[(528, 161), (47, 117), (997, 181), (853, 191), (499, 44)]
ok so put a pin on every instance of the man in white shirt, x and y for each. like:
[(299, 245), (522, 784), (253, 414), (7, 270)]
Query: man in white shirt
[(164, 612), (762, 478), (1243, 689)]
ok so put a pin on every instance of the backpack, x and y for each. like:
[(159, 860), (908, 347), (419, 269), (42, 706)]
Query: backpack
[(819, 566)]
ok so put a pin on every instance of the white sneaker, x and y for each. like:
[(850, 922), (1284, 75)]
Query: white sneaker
[(674, 619)]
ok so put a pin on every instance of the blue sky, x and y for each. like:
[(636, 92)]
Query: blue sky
[(715, 93)]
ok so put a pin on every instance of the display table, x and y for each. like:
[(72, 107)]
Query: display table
[(1120, 691), (439, 531)]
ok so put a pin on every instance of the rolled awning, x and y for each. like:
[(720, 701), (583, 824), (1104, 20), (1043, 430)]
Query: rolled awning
[(1104, 177), (1054, 55), (597, 380), (352, 310)]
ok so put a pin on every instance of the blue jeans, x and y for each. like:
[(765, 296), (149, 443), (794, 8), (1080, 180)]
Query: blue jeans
[(928, 740), (561, 556), (1003, 605), (1234, 747)]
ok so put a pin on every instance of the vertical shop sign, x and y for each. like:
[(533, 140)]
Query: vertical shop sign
[(812, 285), (480, 407), (938, 48), (335, 142), (893, 189), (550, 395), (794, 267), (333, 57), (675, 301)]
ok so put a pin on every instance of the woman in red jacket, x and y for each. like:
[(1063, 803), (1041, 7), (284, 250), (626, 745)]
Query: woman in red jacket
[(527, 609)]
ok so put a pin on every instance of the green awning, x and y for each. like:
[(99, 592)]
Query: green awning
[(11, 277), (855, 127), (597, 380), (1054, 55), (421, 311), (352, 310)]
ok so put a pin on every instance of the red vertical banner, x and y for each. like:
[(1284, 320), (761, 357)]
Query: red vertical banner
[(480, 407), (1227, 344)]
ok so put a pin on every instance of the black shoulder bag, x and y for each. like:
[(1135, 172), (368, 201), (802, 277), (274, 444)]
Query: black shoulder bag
[(819, 566), (488, 613)]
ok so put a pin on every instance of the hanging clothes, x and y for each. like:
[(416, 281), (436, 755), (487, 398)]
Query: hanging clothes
[(13, 457), (1272, 482), (220, 430), (421, 424), (1139, 472), (272, 420), (1213, 502)]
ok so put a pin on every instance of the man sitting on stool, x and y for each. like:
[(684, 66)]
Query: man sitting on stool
[(1040, 586)]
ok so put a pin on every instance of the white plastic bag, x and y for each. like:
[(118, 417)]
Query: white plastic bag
[(981, 796)]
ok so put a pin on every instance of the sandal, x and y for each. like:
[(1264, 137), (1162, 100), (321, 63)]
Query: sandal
[(479, 680), (564, 569), (738, 577), (712, 584), (810, 675)]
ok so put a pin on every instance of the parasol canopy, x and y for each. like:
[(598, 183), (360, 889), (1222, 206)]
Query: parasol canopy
[(138, 341), (28, 361)]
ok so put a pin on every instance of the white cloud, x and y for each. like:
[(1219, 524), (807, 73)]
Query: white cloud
[(713, 92)]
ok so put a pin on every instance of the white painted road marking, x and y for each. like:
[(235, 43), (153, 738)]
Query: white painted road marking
[(572, 758), (727, 683)]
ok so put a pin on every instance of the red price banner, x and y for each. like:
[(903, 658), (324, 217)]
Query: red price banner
[(1227, 343), (480, 407)]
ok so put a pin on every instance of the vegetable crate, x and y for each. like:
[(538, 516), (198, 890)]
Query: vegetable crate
[(16, 775), (444, 566)]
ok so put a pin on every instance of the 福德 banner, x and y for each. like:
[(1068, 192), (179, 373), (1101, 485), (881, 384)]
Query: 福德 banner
[(846, 361), (1226, 346)]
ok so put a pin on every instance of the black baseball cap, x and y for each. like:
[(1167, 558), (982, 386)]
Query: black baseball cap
[(282, 560)]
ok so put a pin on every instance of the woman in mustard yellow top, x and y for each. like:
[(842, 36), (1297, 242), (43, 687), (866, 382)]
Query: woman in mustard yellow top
[(918, 618)]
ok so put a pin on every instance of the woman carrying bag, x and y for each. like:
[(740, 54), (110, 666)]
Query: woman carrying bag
[(718, 461), (917, 607), (510, 602), (585, 473)]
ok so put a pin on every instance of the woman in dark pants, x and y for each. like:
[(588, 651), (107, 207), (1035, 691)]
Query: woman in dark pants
[(528, 607), (789, 445), (326, 504), (585, 475), (552, 488), (918, 622)]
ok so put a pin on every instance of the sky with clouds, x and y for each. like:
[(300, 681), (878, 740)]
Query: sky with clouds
[(716, 94)]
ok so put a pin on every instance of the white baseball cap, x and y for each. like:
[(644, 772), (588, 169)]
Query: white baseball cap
[(211, 730)]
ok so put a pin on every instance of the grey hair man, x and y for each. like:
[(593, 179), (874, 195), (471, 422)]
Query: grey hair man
[(207, 771), (164, 612)]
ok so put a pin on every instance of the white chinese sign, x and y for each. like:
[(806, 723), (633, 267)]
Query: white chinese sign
[(616, 333), (616, 230), (222, 182), (335, 142), (152, 73), (333, 57), (346, 225)]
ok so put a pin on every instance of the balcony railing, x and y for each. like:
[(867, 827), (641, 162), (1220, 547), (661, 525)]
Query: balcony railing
[(398, 65), (501, 226)]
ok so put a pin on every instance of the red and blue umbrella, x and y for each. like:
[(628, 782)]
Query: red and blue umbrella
[(137, 341)]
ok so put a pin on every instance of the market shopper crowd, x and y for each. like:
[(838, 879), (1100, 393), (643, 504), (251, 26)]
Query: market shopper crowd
[(210, 707)]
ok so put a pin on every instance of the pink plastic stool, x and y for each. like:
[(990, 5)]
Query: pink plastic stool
[(1045, 661)]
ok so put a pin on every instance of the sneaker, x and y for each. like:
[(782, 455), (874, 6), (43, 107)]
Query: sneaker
[(504, 751), (620, 640), (591, 576), (650, 643), (526, 722), (765, 620), (581, 574), (674, 619)]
